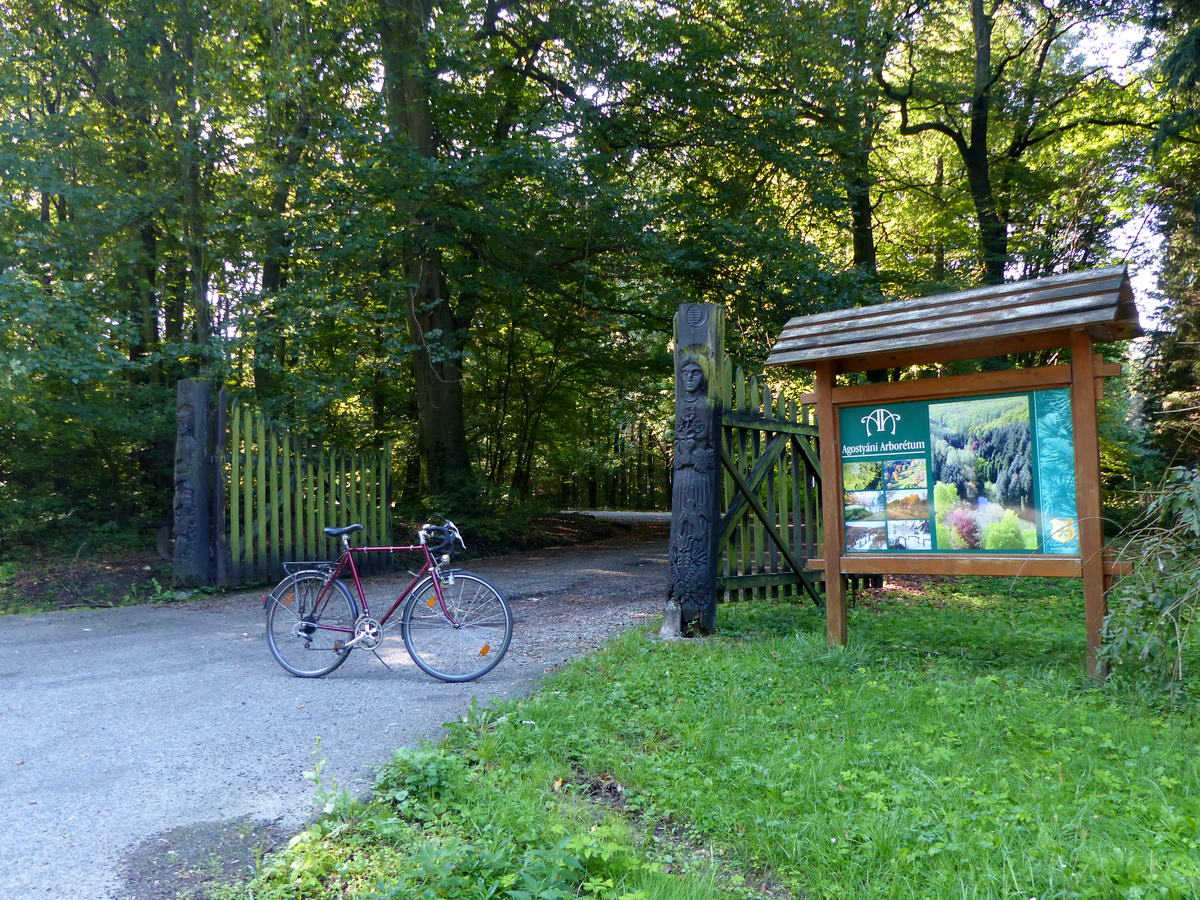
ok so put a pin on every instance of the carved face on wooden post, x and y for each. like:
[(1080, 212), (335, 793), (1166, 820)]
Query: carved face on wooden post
[(692, 377), (693, 493)]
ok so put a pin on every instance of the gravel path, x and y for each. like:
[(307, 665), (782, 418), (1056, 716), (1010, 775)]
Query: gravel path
[(142, 742)]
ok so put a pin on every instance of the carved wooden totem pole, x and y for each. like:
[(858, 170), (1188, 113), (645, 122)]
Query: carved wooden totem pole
[(192, 559), (691, 606)]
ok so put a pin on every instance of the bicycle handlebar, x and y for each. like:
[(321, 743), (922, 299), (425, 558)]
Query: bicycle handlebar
[(448, 532)]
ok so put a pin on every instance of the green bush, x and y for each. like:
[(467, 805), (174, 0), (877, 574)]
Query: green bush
[(1005, 534), (943, 537), (420, 783), (1153, 610)]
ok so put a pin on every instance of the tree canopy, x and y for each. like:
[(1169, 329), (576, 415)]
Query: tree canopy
[(465, 226)]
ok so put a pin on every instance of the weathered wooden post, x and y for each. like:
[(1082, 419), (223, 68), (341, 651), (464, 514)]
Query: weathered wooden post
[(1084, 422), (691, 605), (192, 563)]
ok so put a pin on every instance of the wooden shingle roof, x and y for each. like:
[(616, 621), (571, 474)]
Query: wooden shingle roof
[(987, 321)]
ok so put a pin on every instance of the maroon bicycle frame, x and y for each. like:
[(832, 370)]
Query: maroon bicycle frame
[(346, 561)]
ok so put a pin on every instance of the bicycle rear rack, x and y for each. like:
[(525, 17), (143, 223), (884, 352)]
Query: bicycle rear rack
[(323, 566)]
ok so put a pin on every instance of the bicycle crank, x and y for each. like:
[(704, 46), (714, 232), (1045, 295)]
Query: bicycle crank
[(367, 633)]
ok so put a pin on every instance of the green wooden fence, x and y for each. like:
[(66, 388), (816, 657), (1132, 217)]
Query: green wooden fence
[(277, 494), (770, 493)]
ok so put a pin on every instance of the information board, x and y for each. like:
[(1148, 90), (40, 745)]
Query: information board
[(988, 474)]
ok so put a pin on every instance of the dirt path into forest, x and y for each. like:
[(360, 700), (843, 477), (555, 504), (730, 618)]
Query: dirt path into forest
[(148, 750)]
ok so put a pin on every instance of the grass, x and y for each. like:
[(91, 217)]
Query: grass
[(954, 750)]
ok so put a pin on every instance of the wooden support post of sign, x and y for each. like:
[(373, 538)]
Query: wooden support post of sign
[(1087, 492), (831, 507), (691, 606)]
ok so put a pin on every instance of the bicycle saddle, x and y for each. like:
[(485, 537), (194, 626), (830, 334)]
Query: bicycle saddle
[(349, 529)]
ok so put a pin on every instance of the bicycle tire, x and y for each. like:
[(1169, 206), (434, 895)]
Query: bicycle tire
[(294, 634), (453, 652)]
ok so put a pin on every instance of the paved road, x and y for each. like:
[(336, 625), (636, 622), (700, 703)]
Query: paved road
[(628, 517), (127, 733)]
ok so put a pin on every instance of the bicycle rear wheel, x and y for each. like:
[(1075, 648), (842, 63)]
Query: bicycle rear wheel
[(470, 641), (301, 621)]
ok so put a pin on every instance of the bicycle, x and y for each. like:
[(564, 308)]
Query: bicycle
[(456, 627)]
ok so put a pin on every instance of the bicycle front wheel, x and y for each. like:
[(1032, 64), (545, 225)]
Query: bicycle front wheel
[(308, 625), (466, 641)]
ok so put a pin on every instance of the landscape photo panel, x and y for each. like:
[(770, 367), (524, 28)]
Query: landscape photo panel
[(912, 534), (911, 503), (862, 476), (982, 474), (905, 473), (863, 505), (862, 536)]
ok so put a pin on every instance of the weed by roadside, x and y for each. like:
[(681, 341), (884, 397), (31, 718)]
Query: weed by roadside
[(438, 826)]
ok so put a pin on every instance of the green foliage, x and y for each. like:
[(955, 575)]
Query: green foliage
[(1005, 534), (1148, 632), (420, 783), (153, 592), (944, 495), (862, 476), (230, 190), (437, 828)]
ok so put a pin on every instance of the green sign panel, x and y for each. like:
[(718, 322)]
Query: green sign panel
[(993, 474)]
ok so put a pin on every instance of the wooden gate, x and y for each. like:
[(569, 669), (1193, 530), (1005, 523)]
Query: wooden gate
[(277, 494), (770, 493)]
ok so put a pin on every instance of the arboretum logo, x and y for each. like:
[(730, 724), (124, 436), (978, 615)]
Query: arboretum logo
[(880, 419)]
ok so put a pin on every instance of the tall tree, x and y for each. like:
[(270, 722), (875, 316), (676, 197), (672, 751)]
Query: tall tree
[(999, 83)]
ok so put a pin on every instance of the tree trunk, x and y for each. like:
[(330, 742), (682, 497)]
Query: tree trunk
[(433, 327), (939, 247), (862, 226), (993, 230)]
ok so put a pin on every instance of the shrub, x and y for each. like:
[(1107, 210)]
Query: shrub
[(944, 495), (963, 524), (1153, 610), (421, 783), (943, 537), (1004, 534)]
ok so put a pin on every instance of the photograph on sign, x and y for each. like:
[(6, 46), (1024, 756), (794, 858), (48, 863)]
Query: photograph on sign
[(989, 474), (864, 505), (864, 476), (904, 473), (866, 536), (909, 535), (982, 449)]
